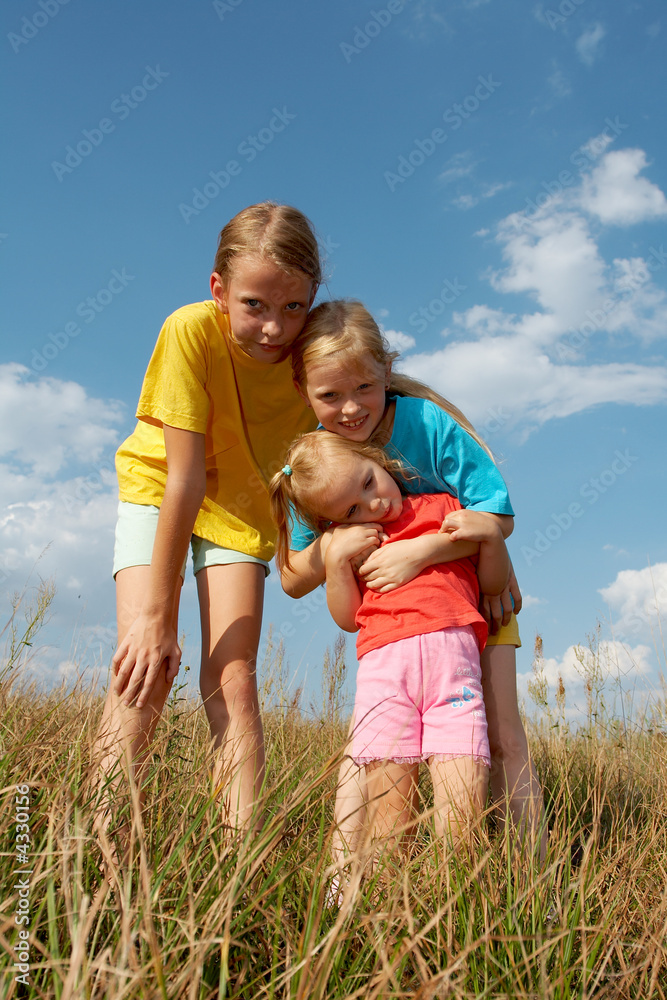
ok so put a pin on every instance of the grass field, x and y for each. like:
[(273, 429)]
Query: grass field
[(206, 914)]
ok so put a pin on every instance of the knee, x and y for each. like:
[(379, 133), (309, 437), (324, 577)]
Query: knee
[(237, 694)]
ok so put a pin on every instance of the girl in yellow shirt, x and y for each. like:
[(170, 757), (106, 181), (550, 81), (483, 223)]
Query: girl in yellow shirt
[(216, 408)]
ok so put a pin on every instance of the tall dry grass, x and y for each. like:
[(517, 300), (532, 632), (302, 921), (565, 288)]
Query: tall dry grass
[(201, 913)]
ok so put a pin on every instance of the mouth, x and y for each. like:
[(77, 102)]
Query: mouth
[(353, 425), (390, 513)]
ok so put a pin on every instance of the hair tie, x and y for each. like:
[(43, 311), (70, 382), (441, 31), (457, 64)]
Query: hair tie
[(287, 470)]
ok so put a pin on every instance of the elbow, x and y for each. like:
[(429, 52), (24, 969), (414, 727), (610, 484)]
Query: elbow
[(506, 524), (292, 585)]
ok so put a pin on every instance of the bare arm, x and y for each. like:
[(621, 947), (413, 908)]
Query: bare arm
[(307, 568), (493, 567), (343, 595), (390, 566), (504, 521), (152, 641)]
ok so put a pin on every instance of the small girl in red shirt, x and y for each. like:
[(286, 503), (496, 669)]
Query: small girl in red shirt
[(419, 695)]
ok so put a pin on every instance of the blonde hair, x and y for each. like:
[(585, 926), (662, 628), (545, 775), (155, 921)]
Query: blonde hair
[(345, 330), (310, 464), (278, 233)]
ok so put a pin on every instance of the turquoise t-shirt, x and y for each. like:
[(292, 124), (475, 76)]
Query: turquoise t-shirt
[(441, 458)]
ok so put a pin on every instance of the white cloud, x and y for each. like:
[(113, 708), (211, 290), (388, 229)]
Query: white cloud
[(584, 306), (514, 375), (530, 602), (613, 670), (399, 341), (58, 421), (559, 83), (638, 602), (596, 146), (588, 43), (458, 166), (615, 193), (466, 201), (58, 499)]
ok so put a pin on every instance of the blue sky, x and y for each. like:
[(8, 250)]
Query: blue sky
[(488, 178)]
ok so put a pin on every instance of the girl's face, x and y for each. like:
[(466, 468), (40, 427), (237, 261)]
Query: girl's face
[(349, 401), (267, 307), (361, 492)]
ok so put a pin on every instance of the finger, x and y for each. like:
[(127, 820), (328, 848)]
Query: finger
[(123, 675), (135, 683), (118, 657), (518, 603), (507, 615)]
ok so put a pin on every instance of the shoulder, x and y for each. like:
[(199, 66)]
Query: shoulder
[(197, 313), (416, 408), (196, 326)]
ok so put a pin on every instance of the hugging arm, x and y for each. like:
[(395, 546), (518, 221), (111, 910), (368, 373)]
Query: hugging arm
[(493, 567), (343, 595), (390, 566)]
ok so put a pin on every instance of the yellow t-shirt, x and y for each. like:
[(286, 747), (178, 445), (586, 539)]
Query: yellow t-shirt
[(199, 380)]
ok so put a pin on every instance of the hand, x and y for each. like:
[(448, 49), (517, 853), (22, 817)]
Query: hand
[(349, 542), (470, 525), (148, 647), (389, 567), (514, 591)]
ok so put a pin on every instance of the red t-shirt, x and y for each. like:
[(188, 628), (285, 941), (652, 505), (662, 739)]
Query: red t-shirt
[(443, 596)]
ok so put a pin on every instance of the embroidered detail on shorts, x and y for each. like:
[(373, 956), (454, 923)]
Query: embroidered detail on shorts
[(456, 700)]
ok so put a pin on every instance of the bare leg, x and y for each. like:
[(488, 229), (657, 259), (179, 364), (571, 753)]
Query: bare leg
[(350, 807), (349, 822), (231, 599), (392, 800), (459, 792), (125, 733), (513, 776)]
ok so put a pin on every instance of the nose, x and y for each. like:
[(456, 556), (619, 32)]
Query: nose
[(375, 504), (350, 406), (272, 326)]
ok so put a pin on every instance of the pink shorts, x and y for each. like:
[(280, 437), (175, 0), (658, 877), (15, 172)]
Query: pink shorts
[(421, 697)]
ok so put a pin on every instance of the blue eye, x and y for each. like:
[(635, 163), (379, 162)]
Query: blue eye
[(253, 303), (293, 306)]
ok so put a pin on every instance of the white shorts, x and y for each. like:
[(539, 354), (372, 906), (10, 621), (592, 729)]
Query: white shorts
[(135, 535)]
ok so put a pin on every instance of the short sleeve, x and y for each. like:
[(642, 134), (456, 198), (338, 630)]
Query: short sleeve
[(301, 536), (175, 390), (441, 456)]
